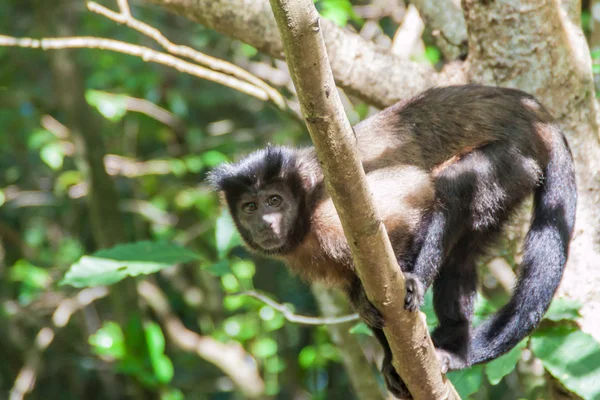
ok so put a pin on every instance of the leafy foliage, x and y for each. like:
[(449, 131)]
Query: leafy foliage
[(109, 266), (571, 356), (167, 215)]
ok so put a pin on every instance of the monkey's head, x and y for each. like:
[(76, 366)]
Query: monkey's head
[(266, 197)]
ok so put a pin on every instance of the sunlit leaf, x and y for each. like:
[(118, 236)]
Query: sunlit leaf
[(213, 158), (172, 394), (161, 364), (307, 357), (361, 329), (109, 341), (111, 106), (265, 347), (24, 271), (563, 309), (109, 266), (571, 356), (230, 283), (243, 269), (52, 154)]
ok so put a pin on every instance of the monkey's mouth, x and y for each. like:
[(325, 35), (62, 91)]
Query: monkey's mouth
[(269, 242)]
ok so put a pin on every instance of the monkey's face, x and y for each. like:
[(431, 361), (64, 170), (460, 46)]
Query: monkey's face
[(266, 217)]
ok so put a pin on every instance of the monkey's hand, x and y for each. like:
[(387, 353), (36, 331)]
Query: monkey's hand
[(415, 292), (393, 382)]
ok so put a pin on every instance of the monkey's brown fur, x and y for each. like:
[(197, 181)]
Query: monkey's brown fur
[(446, 169)]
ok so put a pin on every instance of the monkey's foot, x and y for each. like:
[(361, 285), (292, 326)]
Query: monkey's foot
[(450, 361), (415, 292), (393, 382)]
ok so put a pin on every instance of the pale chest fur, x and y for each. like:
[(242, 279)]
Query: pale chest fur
[(402, 194)]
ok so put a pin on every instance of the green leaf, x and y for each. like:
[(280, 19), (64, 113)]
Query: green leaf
[(52, 154), (467, 381), (497, 369), (24, 271), (275, 365), (172, 394), (563, 309), (307, 357), (111, 106), (571, 356), (265, 347), (243, 269), (427, 308), (108, 266), (109, 341), (161, 364), (483, 309), (212, 158), (220, 268), (361, 329)]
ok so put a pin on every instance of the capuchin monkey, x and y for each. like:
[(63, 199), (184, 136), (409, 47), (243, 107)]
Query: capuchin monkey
[(446, 169)]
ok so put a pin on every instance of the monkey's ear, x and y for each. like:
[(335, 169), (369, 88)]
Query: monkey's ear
[(218, 177)]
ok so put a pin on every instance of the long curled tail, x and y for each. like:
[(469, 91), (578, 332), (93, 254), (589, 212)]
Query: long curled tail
[(545, 254)]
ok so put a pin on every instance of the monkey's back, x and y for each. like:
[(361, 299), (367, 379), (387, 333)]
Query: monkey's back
[(441, 123)]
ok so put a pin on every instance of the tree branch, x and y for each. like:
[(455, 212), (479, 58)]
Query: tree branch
[(300, 319), (360, 67), (414, 354), (25, 381), (215, 64), (145, 53), (231, 358)]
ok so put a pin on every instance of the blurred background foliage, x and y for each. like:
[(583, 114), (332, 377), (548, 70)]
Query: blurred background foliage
[(158, 132)]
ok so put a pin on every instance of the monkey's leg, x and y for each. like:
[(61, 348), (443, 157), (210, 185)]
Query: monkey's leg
[(474, 194), (362, 305), (373, 318), (454, 292), (438, 232), (393, 382)]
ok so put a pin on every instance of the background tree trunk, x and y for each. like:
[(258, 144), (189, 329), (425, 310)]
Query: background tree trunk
[(536, 46)]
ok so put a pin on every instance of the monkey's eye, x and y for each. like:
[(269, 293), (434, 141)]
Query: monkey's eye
[(249, 207), (274, 201)]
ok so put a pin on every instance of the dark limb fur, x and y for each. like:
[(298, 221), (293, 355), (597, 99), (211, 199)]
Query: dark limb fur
[(473, 207)]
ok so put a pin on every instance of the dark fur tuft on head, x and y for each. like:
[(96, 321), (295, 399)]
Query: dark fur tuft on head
[(272, 164)]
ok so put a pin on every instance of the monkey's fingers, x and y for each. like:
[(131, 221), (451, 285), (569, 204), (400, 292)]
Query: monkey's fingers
[(415, 292)]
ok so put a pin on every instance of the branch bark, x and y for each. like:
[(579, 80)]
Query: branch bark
[(414, 354), (536, 46), (360, 67), (445, 19)]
